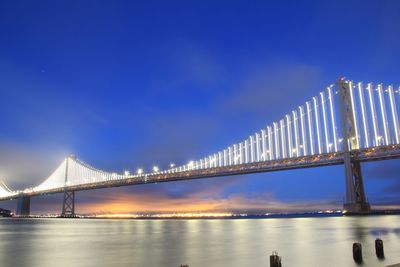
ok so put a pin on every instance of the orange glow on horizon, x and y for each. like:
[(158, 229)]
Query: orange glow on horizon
[(128, 203), (126, 206)]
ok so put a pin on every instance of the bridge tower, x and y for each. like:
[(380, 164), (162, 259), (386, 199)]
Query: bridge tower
[(356, 201), (68, 208)]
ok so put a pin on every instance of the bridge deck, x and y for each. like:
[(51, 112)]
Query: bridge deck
[(363, 155)]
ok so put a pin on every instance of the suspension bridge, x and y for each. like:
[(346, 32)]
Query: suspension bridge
[(347, 123)]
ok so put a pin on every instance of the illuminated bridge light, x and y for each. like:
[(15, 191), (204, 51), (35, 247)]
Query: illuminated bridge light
[(294, 140), (156, 169), (303, 131), (296, 132), (289, 135), (310, 128), (326, 131), (383, 114), (258, 148), (363, 114), (373, 113), (276, 141), (283, 141), (333, 121), (393, 109), (316, 113), (355, 120), (270, 148)]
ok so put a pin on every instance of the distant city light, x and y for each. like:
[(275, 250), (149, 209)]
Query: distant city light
[(139, 171), (156, 169)]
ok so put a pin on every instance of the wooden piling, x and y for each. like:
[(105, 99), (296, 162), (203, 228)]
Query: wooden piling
[(275, 260), (379, 248), (357, 252)]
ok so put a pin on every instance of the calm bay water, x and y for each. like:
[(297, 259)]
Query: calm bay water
[(169, 243)]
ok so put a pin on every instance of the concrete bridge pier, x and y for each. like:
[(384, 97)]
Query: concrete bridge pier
[(24, 205)]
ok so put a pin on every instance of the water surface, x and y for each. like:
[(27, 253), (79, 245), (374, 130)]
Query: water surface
[(213, 243)]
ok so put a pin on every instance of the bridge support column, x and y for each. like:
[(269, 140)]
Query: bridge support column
[(24, 205), (356, 201), (68, 209)]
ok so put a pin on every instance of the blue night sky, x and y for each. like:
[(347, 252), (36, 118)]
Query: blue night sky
[(128, 84)]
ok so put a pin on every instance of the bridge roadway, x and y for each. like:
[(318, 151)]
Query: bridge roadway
[(328, 159)]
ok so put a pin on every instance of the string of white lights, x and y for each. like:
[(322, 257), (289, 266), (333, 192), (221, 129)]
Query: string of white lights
[(292, 136)]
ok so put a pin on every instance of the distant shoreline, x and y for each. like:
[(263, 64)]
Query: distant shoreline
[(217, 217)]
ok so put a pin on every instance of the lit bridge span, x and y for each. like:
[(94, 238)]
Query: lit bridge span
[(348, 123)]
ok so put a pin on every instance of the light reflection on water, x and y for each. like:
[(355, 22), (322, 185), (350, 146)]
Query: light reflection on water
[(236, 243)]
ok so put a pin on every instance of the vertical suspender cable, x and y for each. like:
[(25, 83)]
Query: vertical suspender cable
[(393, 109), (283, 141), (258, 147), (296, 132), (276, 138), (289, 136), (251, 138), (235, 153), (332, 111), (353, 106), (270, 147), (327, 142), (363, 114), (317, 124), (246, 151), (303, 130), (264, 144), (310, 128), (383, 113), (373, 113)]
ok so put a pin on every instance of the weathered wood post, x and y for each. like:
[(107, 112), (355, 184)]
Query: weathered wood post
[(357, 252), (379, 248), (275, 260)]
